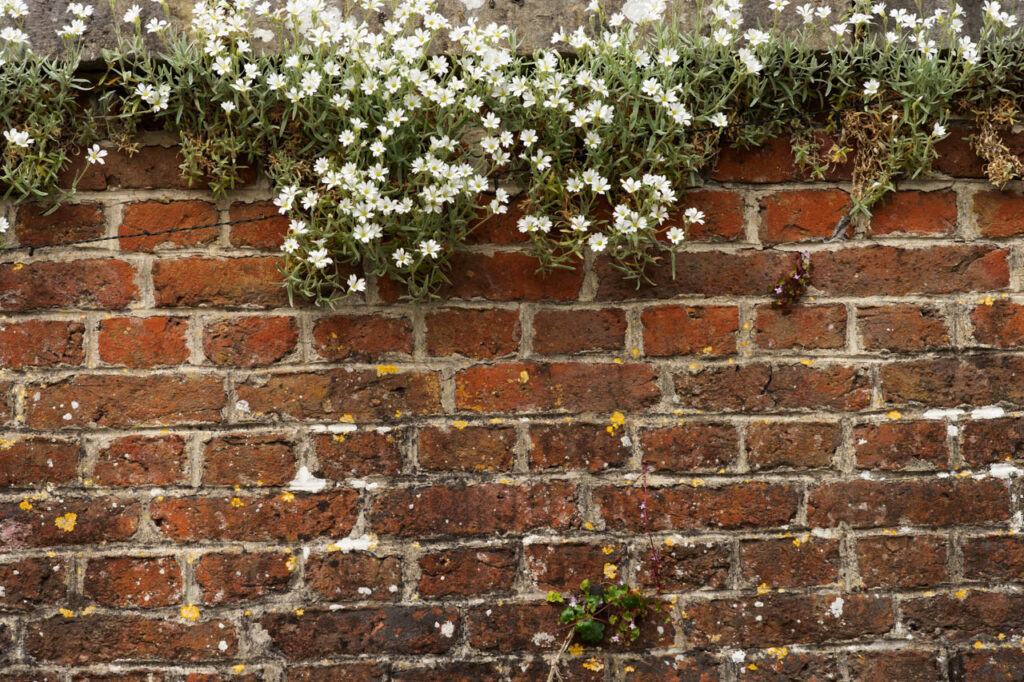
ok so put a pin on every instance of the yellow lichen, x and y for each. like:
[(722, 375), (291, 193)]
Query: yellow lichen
[(763, 588), (894, 415), (610, 571), (287, 496), (524, 377), (594, 664), (608, 550), (299, 612), (67, 522), (386, 369), (459, 424), (25, 504), (339, 438), (961, 594), (290, 563), (67, 613), (190, 612), (6, 444), (237, 502), (238, 669), (576, 649), (347, 419)]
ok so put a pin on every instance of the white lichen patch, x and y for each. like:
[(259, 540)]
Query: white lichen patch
[(306, 482), (836, 608), (989, 412)]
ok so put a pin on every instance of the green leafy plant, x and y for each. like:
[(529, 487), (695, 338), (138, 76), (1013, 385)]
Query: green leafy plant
[(613, 611)]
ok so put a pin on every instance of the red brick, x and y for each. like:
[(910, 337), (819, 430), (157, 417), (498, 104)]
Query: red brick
[(994, 558), (869, 504), (474, 448), (1005, 665), (902, 328), (133, 582), (799, 445), (759, 387), (156, 216), (347, 672), (798, 215), (257, 519), (448, 671), (32, 583), (506, 276), (475, 510), (143, 341), (791, 667), (901, 445), (926, 213), (690, 447), (998, 213), (236, 282), (711, 273), (891, 271), (972, 380), (365, 394), (987, 441), (228, 578), (802, 561), (576, 446), (976, 615), (225, 677), (110, 400), (98, 283), (5, 402), (249, 341), (563, 332), (771, 161), (467, 571), (563, 567), (96, 520), (538, 669), (905, 666), (70, 222), (806, 327), (688, 565), (735, 506), (957, 157), (693, 667), (677, 330), (360, 453), (1000, 325), (907, 561), (483, 334), (149, 167), (362, 337), (124, 637), (779, 619), (37, 461), (140, 460), (525, 387), (723, 215), (395, 629), (244, 460), (139, 676), (265, 234), (346, 577), (501, 228), (34, 676)]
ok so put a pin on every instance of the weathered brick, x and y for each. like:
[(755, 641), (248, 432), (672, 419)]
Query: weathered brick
[(32, 583), (740, 505), (886, 666), (976, 615), (5, 401), (139, 676), (505, 276), (146, 582), (141, 460), (235, 282), (1005, 665), (805, 327), (998, 558), (902, 561), (396, 629), (70, 222), (902, 328), (122, 638), (41, 343), (891, 271), (143, 341), (723, 215), (934, 502), (347, 672), (228, 578), (249, 341), (256, 519), (483, 334), (111, 400), (359, 453), (1000, 325), (33, 676), (362, 337), (771, 161), (693, 667), (82, 522), (968, 380), (576, 446), (987, 441), (690, 447), (501, 228), (538, 669), (678, 330), (97, 283), (924, 213), (780, 619), (475, 510), (798, 445), (688, 565), (956, 156), (561, 332), (458, 671), (248, 460), (759, 387), (467, 571), (798, 215), (997, 213), (802, 561), (563, 567), (156, 216), (37, 461), (364, 394), (526, 387), (266, 234), (899, 445), (466, 449), (151, 166), (347, 577), (770, 667)]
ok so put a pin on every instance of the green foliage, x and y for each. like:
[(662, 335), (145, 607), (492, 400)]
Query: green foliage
[(596, 611)]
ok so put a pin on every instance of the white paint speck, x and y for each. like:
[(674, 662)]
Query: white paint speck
[(543, 639), (836, 608), (242, 406), (223, 646), (990, 412), (74, 404), (332, 428), (448, 629), (738, 656), (359, 544), (952, 430), (626, 442), (360, 484), (365, 591), (935, 413), (1004, 470), (66, 417), (307, 482)]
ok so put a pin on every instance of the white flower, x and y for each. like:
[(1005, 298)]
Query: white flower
[(402, 258), (719, 120), (319, 259), (80, 10), (806, 12), (291, 245), (871, 88), (676, 236), (541, 160), (4, 225), (430, 248), (18, 138), (598, 242), (356, 284), (155, 25), (778, 5), (346, 138), (938, 130), (95, 155), (631, 185), (275, 81), (228, 107), (693, 215), (579, 223), (132, 15), (528, 137)]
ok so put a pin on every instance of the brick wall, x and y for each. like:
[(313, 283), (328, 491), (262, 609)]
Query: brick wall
[(202, 483)]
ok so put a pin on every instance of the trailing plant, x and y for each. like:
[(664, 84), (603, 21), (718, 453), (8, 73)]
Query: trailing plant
[(389, 133), (596, 613)]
